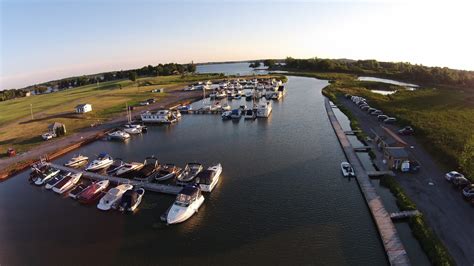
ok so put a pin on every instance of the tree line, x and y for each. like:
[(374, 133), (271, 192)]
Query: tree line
[(398, 70), (62, 84)]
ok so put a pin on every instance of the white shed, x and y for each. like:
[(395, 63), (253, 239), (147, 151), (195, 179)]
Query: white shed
[(83, 108)]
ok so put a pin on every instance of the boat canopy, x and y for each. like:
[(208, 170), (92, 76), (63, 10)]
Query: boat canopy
[(130, 197), (102, 155), (205, 177)]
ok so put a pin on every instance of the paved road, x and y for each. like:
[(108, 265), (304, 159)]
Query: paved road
[(448, 214), (56, 144)]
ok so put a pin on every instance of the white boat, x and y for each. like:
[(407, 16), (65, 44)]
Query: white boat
[(56, 179), (133, 130), (77, 160), (161, 117), (103, 161), (236, 114), (113, 196), (190, 172), (187, 203), (45, 176), (118, 135), (131, 199), (260, 86), (226, 107), (250, 114), (264, 109), (226, 115), (208, 178), (220, 94), (115, 166), (129, 167), (347, 170), (67, 183)]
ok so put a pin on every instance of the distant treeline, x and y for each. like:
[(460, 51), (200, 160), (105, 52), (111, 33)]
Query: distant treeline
[(62, 84), (402, 71)]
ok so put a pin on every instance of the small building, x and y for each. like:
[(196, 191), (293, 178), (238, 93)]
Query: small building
[(57, 129), (395, 156), (28, 94), (83, 108)]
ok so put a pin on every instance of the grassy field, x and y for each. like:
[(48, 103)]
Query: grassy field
[(108, 99), (442, 117)]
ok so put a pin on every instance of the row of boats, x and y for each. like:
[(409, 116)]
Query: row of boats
[(263, 110), (128, 130), (151, 170), (237, 84), (123, 197)]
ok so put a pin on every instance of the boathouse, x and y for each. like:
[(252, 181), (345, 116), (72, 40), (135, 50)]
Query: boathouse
[(83, 108)]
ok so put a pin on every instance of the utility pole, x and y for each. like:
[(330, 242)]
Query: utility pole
[(31, 111)]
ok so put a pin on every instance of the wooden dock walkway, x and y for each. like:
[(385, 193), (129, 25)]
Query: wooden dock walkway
[(160, 188), (393, 246), (403, 214), (380, 173), (362, 149)]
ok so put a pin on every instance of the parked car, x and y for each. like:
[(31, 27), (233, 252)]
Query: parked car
[(365, 108), (361, 102), (468, 192), (376, 113), (406, 131), (362, 105), (48, 136), (382, 118), (151, 100), (460, 182), (414, 166), (11, 152), (452, 175), (370, 110), (144, 103), (390, 120)]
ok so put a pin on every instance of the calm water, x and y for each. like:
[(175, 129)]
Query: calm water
[(229, 69), (281, 199), (388, 81)]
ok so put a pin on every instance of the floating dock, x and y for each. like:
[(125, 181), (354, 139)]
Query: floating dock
[(403, 214), (160, 188), (393, 246), (380, 173)]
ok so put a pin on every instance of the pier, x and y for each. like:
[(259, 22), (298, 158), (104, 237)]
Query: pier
[(362, 149), (380, 173), (160, 188), (392, 244), (403, 214)]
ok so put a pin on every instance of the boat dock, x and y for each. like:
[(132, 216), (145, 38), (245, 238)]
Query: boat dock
[(393, 246), (160, 188), (362, 148), (403, 214), (380, 173)]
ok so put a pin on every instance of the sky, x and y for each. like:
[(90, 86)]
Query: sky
[(43, 40)]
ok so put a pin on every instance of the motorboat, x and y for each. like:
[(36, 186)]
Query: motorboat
[(128, 169), (226, 115), (77, 160), (118, 135), (208, 178), (45, 176), (347, 169), (133, 130), (147, 172), (185, 108), (56, 179), (226, 107), (160, 117), (115, 166), (67, 183), (230, 94), (103, 161), (93, 192), (37, 171), (167, 171), (249, 95), (236, 114), (264, 109), (237, 96), (220, 94), (189, 172), (131, 199), (277, 95), (113, 196), (250, 114), (187, 203), (78, 189)]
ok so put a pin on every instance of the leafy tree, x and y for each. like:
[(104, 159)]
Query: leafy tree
[(255, 64), (467, 158), (269, 63), (132, 75)]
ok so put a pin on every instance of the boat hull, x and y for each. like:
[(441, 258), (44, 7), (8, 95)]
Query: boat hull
[(178, 214)]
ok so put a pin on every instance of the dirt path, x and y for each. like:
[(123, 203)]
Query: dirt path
[(442, 205), (54, 145)]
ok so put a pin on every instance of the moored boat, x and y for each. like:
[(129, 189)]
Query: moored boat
[(103, 161), (347, 169), (250, 114), (167, 171), (92, 192), (77, 160), (115, 166), (189, 172), (236, 114), (187, 203), (67, 183), (128, 169), (45, 176), (118, 135), (113, 196), (264, 109), (78, 189), (150, 167), (131, 199), (56, 179), (208, 178)]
